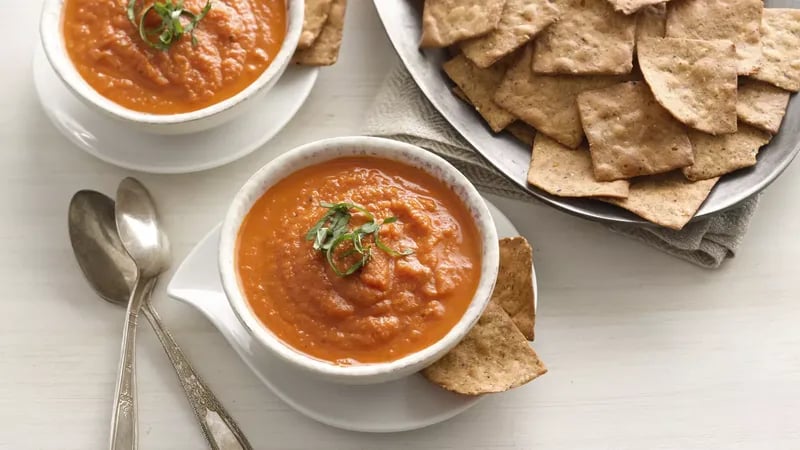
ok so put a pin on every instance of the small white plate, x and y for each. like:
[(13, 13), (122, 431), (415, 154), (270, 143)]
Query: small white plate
[(124, 146), (401, 405)]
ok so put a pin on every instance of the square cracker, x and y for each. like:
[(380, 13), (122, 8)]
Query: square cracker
[(315, 16), (668, 199), (780, 41), (630, 134), (479, 86), (715, 156), (694, 80), (325, 49), (565, 172), (514, 288), (547, 102), (633, 6), (590, 38), (493, 357), (761, 105), (738, 21), (445, 22), (651, 21), (521, 20)]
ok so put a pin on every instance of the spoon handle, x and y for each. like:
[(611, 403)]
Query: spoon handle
[(124, 417), (219, 428)]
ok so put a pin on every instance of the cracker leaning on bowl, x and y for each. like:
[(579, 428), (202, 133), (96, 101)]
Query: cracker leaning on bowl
[(319, 44), (664, 123), (314, 18), (495, 356)]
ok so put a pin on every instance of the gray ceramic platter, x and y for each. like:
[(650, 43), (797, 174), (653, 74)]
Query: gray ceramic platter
[(402, 22)]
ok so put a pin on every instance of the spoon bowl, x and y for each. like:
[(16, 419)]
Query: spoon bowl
[(101, 256), (139, 230)]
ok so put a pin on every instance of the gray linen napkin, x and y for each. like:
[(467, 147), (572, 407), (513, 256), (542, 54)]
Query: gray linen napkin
[(402, 112)]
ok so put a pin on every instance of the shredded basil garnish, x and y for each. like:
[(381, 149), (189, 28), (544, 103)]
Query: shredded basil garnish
[(333, 230)]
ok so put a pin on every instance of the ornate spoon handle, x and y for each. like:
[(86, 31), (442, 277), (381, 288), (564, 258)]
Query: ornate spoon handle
[(219, 428), (124, 416)]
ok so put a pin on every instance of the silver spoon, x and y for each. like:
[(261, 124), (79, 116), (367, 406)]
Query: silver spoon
[(112, 273)]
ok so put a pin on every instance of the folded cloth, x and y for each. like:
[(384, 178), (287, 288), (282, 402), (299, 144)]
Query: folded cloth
[(402, 112)]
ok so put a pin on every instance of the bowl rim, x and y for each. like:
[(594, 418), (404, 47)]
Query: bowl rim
[(271, 173), (52, 38)]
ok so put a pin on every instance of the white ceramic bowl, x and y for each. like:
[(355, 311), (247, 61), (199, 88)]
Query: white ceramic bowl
[(326, 150), (50, 29)]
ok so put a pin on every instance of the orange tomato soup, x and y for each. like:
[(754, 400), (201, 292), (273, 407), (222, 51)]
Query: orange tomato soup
[(392, 306), (236, 42)]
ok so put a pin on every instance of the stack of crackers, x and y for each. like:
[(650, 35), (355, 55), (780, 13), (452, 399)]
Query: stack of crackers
[(495, 356), (640, 103), (321, 38)]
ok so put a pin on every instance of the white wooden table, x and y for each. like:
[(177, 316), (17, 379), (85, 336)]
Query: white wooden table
[(645, 351)]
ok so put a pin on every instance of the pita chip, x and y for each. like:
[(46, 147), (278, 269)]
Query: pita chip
[(590, 38), (761, 105), (493, 357), (565, 172), (445, 22), (738, 21), (669, 199), (479, 86), (780, 41), (520, 21), (315, 16), (630, 134), (715, 156), (325, 49), (547, 102), (514, 288), (694, 80)]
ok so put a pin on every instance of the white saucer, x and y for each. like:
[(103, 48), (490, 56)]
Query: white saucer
[(401, 405), (121, 145)]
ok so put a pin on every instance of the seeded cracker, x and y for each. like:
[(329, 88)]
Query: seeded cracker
[(445, 22), (590, 38), (493, 357), (694, 80), (325, 49), (565, 172), (315, 16), (547, 102), (738, 21), (514, 288), (521, 20), (715, 156), (669, 199), (780, 40), (479, 85), (761, 105), (630, 134)]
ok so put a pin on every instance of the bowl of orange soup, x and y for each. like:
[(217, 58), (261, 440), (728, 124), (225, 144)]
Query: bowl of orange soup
[(358, 259), (170, 66)]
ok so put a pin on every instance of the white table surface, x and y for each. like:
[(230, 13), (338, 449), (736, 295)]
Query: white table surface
[(645, 351)]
